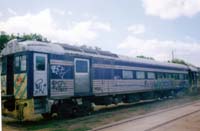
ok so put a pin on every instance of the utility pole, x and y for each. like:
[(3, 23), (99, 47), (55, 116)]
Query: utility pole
[(172, 55)]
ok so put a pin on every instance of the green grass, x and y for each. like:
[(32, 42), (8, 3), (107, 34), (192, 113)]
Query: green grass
[(76, 129)]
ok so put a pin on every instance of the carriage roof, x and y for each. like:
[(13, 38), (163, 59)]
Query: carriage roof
[(15, 46)]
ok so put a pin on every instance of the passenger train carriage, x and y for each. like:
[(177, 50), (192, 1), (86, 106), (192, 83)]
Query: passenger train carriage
[(46, 78)]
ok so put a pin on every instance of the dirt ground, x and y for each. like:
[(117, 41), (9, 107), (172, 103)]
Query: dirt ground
[(189, 123), (158, 120), (104, 116)]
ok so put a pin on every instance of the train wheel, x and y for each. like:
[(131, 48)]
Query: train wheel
[(83, 110), (47, 115), (64, 111), (76, 112), (173, 93)]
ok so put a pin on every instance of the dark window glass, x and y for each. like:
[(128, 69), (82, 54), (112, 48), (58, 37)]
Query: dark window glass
[(20, 63), (186, 76), (171, 76), (4, 68), (81, 66), (164, 75), (168, 76), (23, 63), (181, 76), (17, 63), (176, 76), (117, 74), (160, 75), (40, 63)]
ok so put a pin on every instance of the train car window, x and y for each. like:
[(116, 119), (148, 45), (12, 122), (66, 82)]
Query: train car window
[(4, 67), (173, 76), (159, 75), (164, 75), (117, 74), (186, 76), (151, 75), (20, 63), (17, 63), (181, 76), (40, 63), (140, 75), (23, 63), (176, 76), (127, 74), (168, 76), (81, 66)]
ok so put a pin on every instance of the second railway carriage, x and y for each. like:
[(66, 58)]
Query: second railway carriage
[(46, 78)]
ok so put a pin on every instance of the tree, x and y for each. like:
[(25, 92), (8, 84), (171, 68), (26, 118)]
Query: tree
[(4, 38), (179, 61), (145, 57), (31, 36)]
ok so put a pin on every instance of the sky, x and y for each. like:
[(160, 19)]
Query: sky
[(152, 28)]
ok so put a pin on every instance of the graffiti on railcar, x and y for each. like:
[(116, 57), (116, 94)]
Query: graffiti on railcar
[(164, 84), (59, 85), (40, 87), (59, 70), (150, 84)]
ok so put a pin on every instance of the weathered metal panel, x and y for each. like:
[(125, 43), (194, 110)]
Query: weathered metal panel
[(62, 88), (104, 86), (40, 77), (20, 86), (61, 78), (82, 79)]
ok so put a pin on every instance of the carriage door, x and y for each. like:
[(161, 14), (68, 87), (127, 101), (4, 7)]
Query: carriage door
[(82, 76), (40, 74)]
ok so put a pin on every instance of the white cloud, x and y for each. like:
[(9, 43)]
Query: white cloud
[(44, 24), (58, 11), (102, 26), (161, 50), (11, 11), (86, 30), (137, 29), (171, 9), (69, 13), (1, 14)]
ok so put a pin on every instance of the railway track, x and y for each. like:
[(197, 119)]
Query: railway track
[(175, 119), (193, 107)]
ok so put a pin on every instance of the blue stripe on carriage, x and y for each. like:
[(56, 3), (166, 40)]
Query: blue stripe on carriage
[(61, 57)]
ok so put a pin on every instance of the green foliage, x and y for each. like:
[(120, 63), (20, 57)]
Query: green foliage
[(4, 38), (145, 57), (36, 37), (179, 61)]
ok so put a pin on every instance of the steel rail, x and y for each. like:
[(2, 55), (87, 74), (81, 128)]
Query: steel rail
[(148, 115)]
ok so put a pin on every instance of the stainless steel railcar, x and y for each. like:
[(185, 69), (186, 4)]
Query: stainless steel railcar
[(46, 78)]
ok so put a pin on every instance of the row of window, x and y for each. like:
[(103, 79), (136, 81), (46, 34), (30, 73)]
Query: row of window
[(126, 74), (20, 63)]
